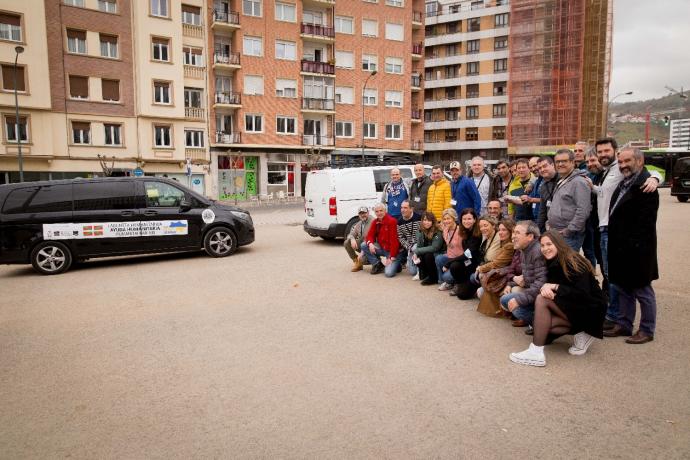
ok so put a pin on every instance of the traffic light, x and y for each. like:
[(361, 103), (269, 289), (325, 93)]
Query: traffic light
[(667, 120)]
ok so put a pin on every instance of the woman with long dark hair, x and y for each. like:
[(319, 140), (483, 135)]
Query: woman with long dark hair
[(462, 267), (570, 302), (429, 244)]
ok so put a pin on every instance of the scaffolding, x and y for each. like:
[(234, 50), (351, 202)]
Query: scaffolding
[(556, 91)]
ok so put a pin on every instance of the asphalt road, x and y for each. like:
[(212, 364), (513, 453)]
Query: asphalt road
[(280, 351)]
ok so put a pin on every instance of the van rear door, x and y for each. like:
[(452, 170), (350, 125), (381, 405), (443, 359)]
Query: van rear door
[(354, 188), (318, 193)]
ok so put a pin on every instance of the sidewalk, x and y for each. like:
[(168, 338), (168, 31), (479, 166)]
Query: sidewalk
[(271, 204)]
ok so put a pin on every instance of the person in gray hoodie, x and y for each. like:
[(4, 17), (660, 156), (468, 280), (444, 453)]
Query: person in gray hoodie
[(571, 202)]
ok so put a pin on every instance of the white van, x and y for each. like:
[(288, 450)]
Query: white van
[(332, 196)]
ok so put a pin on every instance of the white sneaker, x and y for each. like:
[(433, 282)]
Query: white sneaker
[(445, 286), (416, 277), (530, 357), (581, 342)]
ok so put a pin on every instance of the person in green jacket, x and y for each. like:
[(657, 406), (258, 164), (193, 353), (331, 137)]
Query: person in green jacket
[(429, 244)]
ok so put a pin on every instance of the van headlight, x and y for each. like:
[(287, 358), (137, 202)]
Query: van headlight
[(242, 216)]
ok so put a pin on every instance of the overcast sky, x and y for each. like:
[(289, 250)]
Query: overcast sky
[(651, 48)]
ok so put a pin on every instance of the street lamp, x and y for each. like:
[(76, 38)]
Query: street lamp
[(373, 72), (18, 50), (608, 106)]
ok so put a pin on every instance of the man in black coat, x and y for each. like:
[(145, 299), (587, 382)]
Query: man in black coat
[(632, 248)]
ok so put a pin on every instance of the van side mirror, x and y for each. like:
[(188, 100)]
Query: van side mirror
[(185, 205)]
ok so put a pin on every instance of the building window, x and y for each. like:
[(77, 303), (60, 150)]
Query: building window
[(451, 114), (344, 59), (471, 134), (473, 68), (451, 93), (501, 20), (499, 110), (500, 65), (398, 3), (8, 78), (369, 62), (79, 3), (499, 133), (452, 71), (394, 131), (159, 8), (78, 87), (113, 134), (370, 96), (471, 112), (473, 24), (12, 130), (193, 138), (370, 28), (107, 6), (192, 56), (343, 129), (369, 130), (395, 32), (191, 15), (161, 92), (344, 95), (394, 65), (252, 46), (285, 12), (76, 41), (161, 48), (344, 25), (253, 85), (472, 46), (451, 135), (452, 50), (500, 88), (162, 137), (286, 50), (453, 27), (81, 132), (500, 43), (253, 123), (393, 98), (286, 88), (110, 90), (472, 91), (10, 27), (108, 45), (286, 125), (193, 97), (251, 8)]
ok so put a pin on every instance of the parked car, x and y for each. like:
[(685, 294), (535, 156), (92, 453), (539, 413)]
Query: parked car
[(53, 223), (332, 196), (680, 187)]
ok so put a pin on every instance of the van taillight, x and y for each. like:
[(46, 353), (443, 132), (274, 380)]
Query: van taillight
[(332, 207)]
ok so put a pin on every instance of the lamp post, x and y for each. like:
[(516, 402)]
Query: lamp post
[(608, 105), (363, 91), (18, 50)]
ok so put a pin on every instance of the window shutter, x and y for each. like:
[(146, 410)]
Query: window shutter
[(9, 19), (78, 34), (78, 86), (8, 78), (191, 9), (81, 126), (110, 90), (108, 39)]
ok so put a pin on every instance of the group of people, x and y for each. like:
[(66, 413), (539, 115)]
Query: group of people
[(513, 239)]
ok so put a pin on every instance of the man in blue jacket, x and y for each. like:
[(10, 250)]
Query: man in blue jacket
[(464, 193)]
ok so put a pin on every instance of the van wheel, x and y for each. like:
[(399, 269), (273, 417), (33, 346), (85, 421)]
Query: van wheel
[(348, 227), (682, 198), (51, 258), (220, 242)]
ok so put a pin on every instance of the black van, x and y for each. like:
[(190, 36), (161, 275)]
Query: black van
[(49, 224), (680, 188)]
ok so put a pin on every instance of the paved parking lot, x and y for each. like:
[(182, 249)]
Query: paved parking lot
[(280, 351)]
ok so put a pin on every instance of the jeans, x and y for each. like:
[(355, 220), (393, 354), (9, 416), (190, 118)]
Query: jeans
[(374, 258), (575, 240), (588, 244), (399, 261), (614, 303), (443, 277), (647, 298), (525, 313)]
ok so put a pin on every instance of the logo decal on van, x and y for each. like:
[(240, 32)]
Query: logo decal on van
[(208, 216), (80, 231)]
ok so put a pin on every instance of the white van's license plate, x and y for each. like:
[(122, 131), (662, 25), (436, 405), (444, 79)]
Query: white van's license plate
[(310, 212)]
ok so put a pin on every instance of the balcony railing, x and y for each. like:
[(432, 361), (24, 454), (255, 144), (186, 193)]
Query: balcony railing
[(196, 113), (226, 59), (317, 29), (317, 67), (192, 71), (192, 30), (416, 114), (230, 17), (418, 48), (416, 145), (437, 9), (314, 139), (311, 103), (228, 138), (416, 81), (228, 97), (195, 154), (417, 16)]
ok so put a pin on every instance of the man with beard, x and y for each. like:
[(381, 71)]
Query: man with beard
[(547, 171), (591, 246), (500, 184)]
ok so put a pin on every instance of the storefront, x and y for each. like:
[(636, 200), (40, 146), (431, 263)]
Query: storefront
[(237, 177)]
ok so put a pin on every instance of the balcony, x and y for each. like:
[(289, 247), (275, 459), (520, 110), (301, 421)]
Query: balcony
[(416, 145), (319, 2), (416, 115), (225, 21), (192, 71), (317, 67), (416, 82), (226, 61), (314, 139), (317, 32), (196, 155), (417, 19), (310, 104), (192, 30), (194, 113), (417, 51), (227, 100), (228, 138)]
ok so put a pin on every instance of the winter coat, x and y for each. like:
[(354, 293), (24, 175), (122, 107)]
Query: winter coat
[(407, 230), (546, 192), (418, 193), (489, 248), (384, 232), (501, 259), (360, 229), (571, 204), (438, 198), (533, 272), (465, 194), (434, 246), (462, 267), (517, 188), (632, 236), (402, 193)]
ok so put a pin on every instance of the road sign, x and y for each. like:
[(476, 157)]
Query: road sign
[(138, 172)]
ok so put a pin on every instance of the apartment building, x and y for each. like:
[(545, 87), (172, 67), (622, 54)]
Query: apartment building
[(288, 83), (100, 83), (465, 79)]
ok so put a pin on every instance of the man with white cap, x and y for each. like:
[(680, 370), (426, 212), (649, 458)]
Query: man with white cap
[(354, 239)]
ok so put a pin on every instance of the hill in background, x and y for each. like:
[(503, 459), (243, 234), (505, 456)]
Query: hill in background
[(625, 131)]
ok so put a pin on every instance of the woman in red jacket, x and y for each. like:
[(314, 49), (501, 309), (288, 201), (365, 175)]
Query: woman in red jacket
[(381, 241)]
